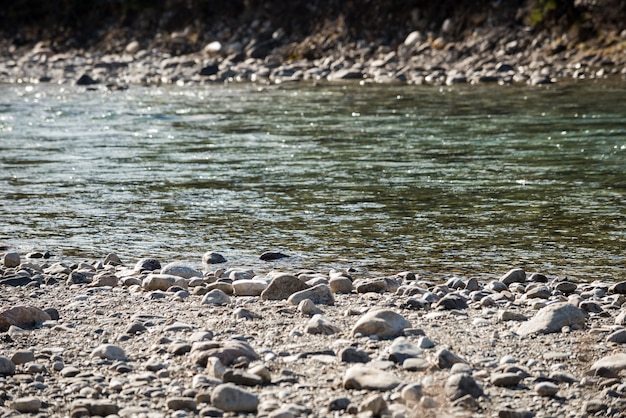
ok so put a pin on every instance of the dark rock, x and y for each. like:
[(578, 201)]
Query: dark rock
[(338, 404), (352, 355), (450, 302), (272, 256), (147, 264), (210, 69), (85, 80), (461, 384)]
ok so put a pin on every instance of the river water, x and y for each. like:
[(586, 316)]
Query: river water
[(465, 180)]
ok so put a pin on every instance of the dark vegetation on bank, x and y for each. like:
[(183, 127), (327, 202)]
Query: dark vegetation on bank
[(297, 29)]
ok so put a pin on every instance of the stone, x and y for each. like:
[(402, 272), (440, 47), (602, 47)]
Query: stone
[(307, 307), (272, 256), (382, 323), (541, 292), (416, 364), (402, 349), (11, 260), (109, 352), (180, 270), (25, 317), (338, 404), (147, 264), (566, 287), (23, 356), (508, 315), (241, 377), (361, 377), (213, 258), (226, 352), (112, 260), (553, 318), (461, 384), (505, 379), (446, 359), (609, 365), (7, 367), (181, 402), (230, 398), (320, 295), (411, 393), (340, 284), (618, 336), (320, 325), (377, 285), (547, 389), (26, 405), (451, 301), (216, 297), (162, 282), (618, 288), (249, 287), (412, 39), (100, 407), (86, 80), (516, 275), (375, 404), (210, 69), (353, 355), (283, 286), (620, 319), (590, 306)]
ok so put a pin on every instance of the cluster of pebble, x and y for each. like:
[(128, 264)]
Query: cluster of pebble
[(152, 340), (490, 55)]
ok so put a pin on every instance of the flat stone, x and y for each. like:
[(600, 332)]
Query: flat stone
[(22, 356), (547, 389), (612, 364), (181, 270), (505, 379), (225, 351), (383, 323), (618, 337), (162, 282), (541, 292), (231, 398), (402, 349), (272, 256), (249, 287), (416, 364), (451, 301), (361, 377), (320, 295), (353, 355), (241, 377), (213, 258), (109, 351), (181, 403), (101, 407), (25, 317), (566, 287), (27, 405), (377, 285), (553, 318)]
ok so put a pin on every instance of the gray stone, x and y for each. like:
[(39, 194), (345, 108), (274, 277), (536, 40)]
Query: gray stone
[(411, 393), (541, 292), (369, 378), (162, 282), (239, 274), (547, 389), (27, 405), (353, 355), (516, 275), (250, 287), (230, 398), (451, 301), (25, 317), (382, 323), (215, 297), (620, 319), (100, 407), (241, 377), (226, 352), (375, 404), (213, 258), (11, 260), (320, 325), (341, 284), (320, 295), (609, 365), (508, 315), (147, 264), (181, 402), (619, 288), (566, 287), (553, 318), (7, 367), (377, 285), (112, 260), (23, 356), (402, 349), (283, 286), (505, 379), (109, 351), (307, 307), (446, 359), (590, 306), (416, 364), (461, 384), (180, 270)]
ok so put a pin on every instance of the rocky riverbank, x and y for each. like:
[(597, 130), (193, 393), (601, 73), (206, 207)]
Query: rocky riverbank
[(150, 339), (497, 55)]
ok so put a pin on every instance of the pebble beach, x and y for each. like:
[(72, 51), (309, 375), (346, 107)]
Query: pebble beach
[(160, 338)]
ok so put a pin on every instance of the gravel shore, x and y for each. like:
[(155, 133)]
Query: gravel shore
[(495, 55), (103, 338)]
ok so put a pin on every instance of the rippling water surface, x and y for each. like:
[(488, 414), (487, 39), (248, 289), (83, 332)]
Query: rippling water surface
[(381, 178)]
